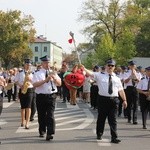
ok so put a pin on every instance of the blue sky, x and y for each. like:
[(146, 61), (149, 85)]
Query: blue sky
[(53, 18)]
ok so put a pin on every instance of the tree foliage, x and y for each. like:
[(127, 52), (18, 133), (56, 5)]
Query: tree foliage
[(16, 31), (117, 29)]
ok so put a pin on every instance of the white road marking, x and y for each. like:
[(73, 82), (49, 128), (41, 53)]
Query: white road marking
[(86, 121), (2, 122), (67, 117), (62, 110), (66, 113), (68, 122), (72, 106), (103, 142), (6, 104)]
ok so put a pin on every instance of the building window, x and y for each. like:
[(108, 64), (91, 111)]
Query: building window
[(36, 59), (45, 49), (36, 49)]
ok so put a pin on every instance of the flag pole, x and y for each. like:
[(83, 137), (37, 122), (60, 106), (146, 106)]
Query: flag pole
[(72, 36)]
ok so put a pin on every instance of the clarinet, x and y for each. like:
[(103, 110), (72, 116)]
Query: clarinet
[(52, 86), (47, 73)]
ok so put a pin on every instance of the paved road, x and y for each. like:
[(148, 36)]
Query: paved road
[(75, 129)]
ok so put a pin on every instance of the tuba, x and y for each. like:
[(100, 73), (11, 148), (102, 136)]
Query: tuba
[(26, 83)]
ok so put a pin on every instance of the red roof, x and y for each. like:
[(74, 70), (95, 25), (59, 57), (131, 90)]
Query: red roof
[(40, 40)]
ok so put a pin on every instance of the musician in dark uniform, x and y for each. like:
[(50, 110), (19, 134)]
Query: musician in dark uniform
[(26, 91), (45, 82), (143, 88), (109, 86)]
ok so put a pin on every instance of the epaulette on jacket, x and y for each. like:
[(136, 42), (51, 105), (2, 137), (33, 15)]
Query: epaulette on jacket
[(142, 78), (36, 70), (20, 70), (102, 73)]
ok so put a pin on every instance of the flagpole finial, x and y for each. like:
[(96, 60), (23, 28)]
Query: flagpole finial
[(71, 34), (73, 40)]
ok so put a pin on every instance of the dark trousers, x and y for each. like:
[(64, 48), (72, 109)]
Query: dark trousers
[(121, 108), (107, 108), (33, 106), (1, 103), (65, 93), (132, 100), (94, 95), (145, 108), (10, 94), (45, 107), (15, 95)]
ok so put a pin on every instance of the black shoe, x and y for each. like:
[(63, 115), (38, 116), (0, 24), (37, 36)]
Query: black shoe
[(26, 127), (32, 119), (42, 134), (135, 122), (22, 125), (99, 137), (116, 141), (144, 127), (49, 137), (129, 121)]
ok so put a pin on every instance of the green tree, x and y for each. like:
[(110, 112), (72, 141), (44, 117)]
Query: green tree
[(105, 50), (16, 31), (106, 26), (102, 18), (116, 28), (125, 47)]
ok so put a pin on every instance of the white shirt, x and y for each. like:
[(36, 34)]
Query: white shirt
[(21, 76), (45, 88), (128, 74), (143, 84), (122, 78), (102, 80)]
